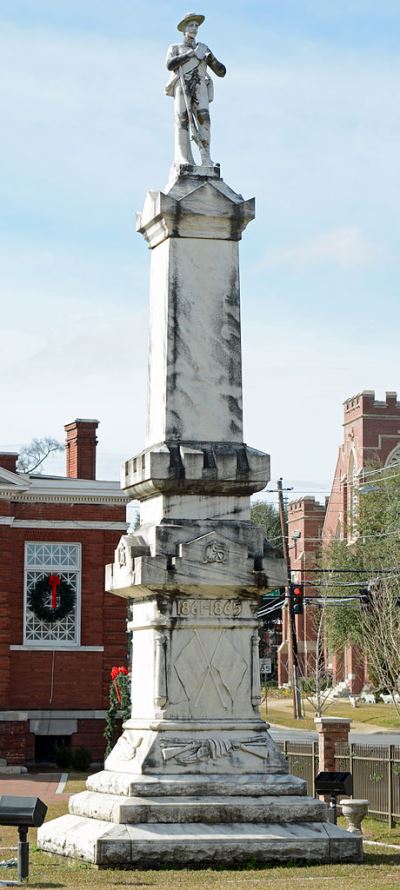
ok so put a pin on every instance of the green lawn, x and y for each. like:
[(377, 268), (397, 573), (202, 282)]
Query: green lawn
[(381, 868), (280, 712)]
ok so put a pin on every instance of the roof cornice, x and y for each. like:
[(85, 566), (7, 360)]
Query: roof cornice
[(118, 498)]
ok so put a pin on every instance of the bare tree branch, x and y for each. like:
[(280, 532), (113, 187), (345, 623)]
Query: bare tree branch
[(33, 455)]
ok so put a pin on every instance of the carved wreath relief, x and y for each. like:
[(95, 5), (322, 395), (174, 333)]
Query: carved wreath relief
[(215, 551)]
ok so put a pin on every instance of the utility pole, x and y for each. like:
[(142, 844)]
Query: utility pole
[(292, 636)]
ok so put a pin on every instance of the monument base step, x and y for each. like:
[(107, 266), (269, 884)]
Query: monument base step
[(146, 785), (210, 810), (155, 845)]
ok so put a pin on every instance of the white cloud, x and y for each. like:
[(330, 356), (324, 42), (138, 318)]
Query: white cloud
[(344, 247)]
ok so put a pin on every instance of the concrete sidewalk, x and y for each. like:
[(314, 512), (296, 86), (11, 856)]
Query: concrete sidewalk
[(47, 786)]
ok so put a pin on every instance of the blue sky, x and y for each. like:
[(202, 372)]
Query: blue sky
[(307, 120)]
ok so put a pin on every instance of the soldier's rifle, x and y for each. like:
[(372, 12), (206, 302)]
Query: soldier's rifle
[(192, 122)]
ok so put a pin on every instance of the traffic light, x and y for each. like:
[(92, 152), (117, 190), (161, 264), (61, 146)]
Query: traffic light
[(297, 598), (366, 599)]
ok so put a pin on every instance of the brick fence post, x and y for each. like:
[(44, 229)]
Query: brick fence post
[(331, 731)]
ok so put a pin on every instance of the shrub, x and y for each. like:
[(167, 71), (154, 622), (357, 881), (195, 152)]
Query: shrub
[(62, 755), (81, 759)]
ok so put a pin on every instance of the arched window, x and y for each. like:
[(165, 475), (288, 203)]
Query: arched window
[(393, 458)]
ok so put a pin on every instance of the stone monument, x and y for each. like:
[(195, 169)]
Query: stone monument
[(195, 776)]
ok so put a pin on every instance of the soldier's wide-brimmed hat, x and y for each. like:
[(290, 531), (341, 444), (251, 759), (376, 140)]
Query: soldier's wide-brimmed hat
[(190, 17)]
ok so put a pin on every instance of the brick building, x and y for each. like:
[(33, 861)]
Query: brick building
[(54, 677), (371, 436), (305, 523)]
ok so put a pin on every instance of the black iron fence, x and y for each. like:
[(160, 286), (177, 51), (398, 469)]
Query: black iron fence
[(302, 758), (375, 770)]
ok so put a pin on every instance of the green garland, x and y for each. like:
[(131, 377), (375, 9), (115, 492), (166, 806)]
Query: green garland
[(116, 709), (39, 593)]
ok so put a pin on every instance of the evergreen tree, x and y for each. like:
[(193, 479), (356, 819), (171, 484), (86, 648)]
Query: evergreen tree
[(267, 517)]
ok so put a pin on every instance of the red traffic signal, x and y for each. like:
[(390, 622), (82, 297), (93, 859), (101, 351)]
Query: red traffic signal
[(297, 598)]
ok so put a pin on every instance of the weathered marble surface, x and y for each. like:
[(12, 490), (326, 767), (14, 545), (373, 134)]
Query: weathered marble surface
[(210, 809), (248, 785), (192, 88), (195, 376), (155, 844), (195, 777)]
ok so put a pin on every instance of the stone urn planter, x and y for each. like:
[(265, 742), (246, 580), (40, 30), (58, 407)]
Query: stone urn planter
[(354, 811)]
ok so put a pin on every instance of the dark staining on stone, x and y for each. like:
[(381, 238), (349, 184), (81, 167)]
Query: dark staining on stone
[(171, 567), (236, 222), (235, 428), (186, 398), (177, 219), (176, 463), (234, 324), (174, 431), (234, 366), (258, 563), (243, 468), (163, 603), (172, 382), (231, 344), (178, 308), (209, 462), (235, 408), (233, 295), (174, 319)]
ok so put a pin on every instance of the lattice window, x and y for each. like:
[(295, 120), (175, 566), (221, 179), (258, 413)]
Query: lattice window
[(42, 559)]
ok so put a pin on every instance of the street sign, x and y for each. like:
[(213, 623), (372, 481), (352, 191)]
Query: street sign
[(265, 665), (277, 592)]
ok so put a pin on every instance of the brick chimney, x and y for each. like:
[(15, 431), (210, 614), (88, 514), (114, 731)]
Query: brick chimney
[(80, 448), (8, 460)]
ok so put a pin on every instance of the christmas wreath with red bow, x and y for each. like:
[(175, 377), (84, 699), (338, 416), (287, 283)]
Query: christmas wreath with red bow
[(63, 598), (120, 704)]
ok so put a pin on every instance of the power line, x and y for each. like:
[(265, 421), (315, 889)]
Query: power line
[(350, 571), (365, 473)]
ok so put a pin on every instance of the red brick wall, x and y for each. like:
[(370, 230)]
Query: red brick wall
[(72, 512), (17, 744), (6, 562), (91, 735), (8, 460), (81, 679), (305, 516), (371, 432)]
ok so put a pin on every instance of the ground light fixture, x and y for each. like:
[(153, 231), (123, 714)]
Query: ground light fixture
[(24, 813)]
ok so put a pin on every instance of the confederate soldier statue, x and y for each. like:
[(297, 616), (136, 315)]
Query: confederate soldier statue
[(192, 88)]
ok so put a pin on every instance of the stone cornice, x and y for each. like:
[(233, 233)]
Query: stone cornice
[(117, 499), (206, 468), (82, 525), (207, 210), (59, 490)]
